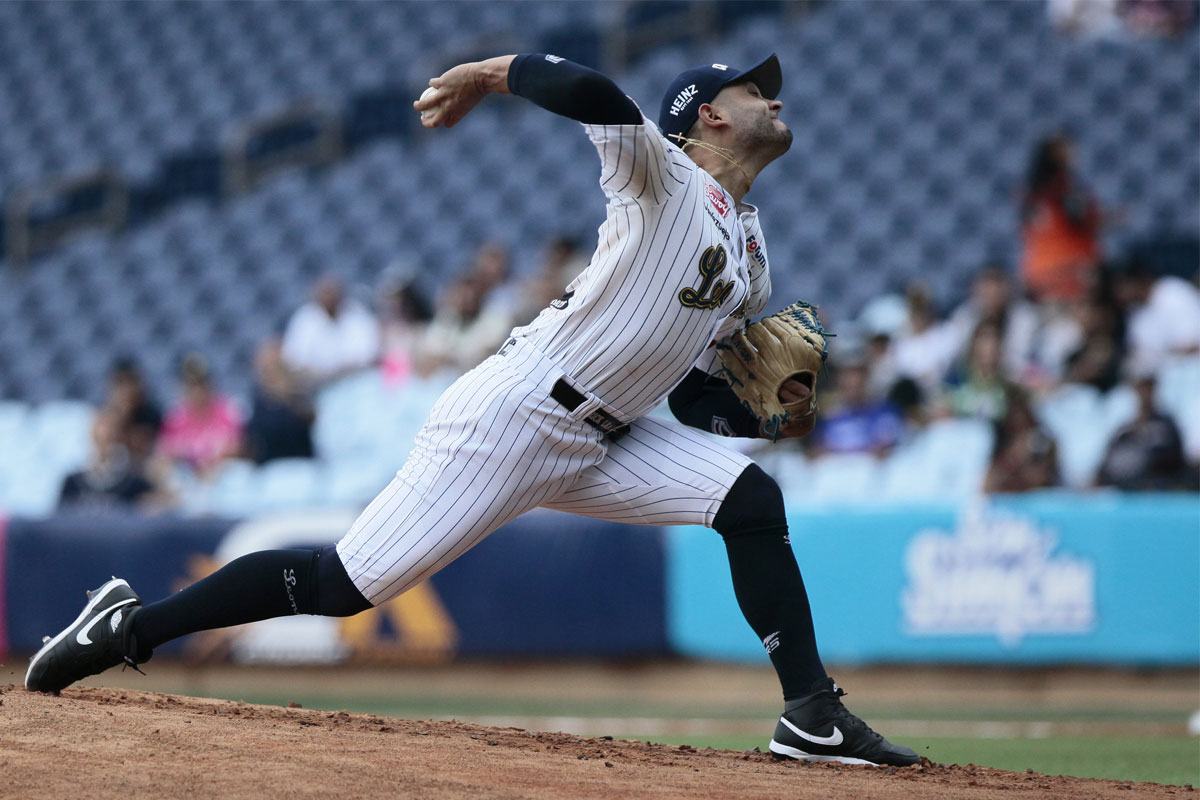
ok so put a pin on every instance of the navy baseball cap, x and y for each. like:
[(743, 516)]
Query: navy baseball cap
[(695, 87)]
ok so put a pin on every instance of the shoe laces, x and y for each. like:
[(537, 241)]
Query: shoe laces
[(843, 715)]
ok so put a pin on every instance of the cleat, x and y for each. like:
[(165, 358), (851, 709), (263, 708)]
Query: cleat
[(45, 639), (819, 728), (99, 638)]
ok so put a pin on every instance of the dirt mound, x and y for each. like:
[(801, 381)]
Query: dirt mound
[(120, 743)]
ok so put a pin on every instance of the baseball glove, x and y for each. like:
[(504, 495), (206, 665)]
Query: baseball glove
[(759, 359)]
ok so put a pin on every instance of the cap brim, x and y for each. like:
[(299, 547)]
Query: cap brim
[(766, 75)]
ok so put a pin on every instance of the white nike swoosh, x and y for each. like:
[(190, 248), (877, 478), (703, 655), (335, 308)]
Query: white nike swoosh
[(833, 739), (82, 636)]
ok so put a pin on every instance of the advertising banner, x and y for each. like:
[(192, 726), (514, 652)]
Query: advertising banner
[(546, 585), (1054, 579)]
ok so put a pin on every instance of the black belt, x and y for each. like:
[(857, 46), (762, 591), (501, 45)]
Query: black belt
[(570, 399)]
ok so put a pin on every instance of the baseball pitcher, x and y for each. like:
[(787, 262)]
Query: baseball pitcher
[(557, 418)]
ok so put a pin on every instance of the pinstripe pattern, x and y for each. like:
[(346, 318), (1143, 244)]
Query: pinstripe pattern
[(625, 334), (497, 444), (657, 474)]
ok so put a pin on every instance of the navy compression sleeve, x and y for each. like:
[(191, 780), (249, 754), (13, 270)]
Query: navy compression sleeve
[(571, 90), (706, 402)]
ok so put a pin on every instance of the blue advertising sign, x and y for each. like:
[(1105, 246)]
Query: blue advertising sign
[(545, 585), (1054, 579)]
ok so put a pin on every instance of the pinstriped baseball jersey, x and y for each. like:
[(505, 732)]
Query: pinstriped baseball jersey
[(677, 264)]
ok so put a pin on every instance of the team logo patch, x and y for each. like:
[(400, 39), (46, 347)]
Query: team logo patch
[(711, 292), (717, 198)]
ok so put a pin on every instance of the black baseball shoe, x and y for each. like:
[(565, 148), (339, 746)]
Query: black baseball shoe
[(819, 728), (99, 638)]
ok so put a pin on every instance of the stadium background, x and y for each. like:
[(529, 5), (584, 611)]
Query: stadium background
[(176, 175)]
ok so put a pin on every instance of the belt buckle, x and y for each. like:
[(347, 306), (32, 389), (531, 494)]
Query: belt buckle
[(504, 348)]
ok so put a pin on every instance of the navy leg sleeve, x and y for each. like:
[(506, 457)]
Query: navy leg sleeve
[(263, 585), (766, 579)]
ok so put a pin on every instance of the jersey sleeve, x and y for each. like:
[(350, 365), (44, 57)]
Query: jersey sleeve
[(756, 259), (638, 163)]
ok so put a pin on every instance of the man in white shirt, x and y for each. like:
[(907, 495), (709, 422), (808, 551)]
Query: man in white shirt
[(1164, 317), (331, 335)]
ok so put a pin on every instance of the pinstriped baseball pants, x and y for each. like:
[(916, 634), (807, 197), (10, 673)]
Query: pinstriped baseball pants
[(497, 445)]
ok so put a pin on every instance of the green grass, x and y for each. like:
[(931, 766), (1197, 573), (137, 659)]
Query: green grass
[(1162, 759)]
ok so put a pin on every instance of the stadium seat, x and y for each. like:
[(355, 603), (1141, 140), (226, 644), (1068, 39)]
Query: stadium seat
[(232, 492), (841, 477), (1075, 415), (291, 483), (61, 433), (1178, 394), (25, 491)]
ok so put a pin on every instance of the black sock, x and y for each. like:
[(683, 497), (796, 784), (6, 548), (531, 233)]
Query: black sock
[(263, 585), (771, 594)]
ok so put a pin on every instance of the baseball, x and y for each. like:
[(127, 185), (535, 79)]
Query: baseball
[(425, 94)]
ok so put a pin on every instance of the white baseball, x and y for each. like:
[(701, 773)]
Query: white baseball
[(425, 94)]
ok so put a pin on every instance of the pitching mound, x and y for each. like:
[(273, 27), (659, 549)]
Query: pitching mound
[(117, 743)]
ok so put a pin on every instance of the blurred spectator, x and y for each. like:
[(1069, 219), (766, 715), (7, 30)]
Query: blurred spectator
[(564, 259), (282, 415), (136, 417), (1096, 360), (856, 423), (881, 366), (331, 335), (924, 351), (462, 333), (992, 302), (1164, 316), (1120, 18), (491, 272), (404, 318), (203, 429), (561, 263), (980, 390), (1060, 225), (1147, 453), (1157, 17), (1096, 18), (1024, 456), (110, 479), (881, 321)]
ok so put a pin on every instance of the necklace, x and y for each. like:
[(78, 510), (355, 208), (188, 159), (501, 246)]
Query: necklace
[(723, 152)]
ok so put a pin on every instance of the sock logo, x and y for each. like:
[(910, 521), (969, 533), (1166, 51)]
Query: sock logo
[(289, 580), (771, 642), (115, 621)]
